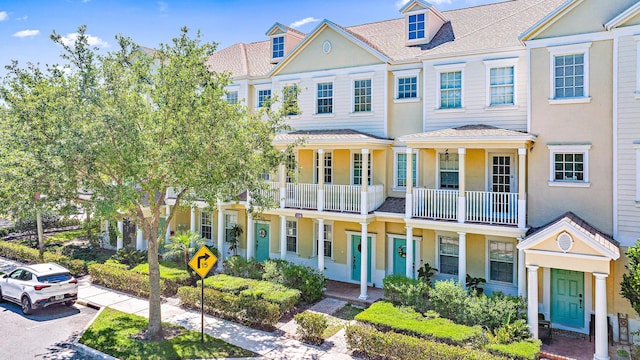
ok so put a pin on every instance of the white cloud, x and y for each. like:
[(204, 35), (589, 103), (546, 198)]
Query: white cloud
[(69, 39), (163, 6), (307, 20), (22, 18), (3, 15), (26, 33)]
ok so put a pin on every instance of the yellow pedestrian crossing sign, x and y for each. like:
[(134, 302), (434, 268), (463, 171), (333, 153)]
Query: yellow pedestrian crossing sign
[(203, 261)]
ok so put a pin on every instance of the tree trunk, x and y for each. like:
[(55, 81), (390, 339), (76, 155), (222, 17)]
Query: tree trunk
[(154, 332), (40, 234)]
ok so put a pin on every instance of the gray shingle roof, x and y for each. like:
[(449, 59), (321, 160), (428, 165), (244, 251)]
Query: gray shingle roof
[(468, 131), (311, 136)]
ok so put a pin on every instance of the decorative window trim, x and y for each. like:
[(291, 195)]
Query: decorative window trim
[(355, 78), (353, 167), (569, 148), (437, 253), (425, 12), (203, 213), (226, 225), (257, 89), (396, 152), (582, 48), (514, 276), (315, 238), (444, 69), (315, 104), (397, 75), (294, 220), (278, 36), (441, 151), (500, 63)]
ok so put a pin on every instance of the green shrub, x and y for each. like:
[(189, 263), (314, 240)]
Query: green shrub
[(174, 275), (510, 333), (278, 294), (130, 257), (385, 316), (241, 267), (375, 344), (521, 350), (246, 310), (404, 291), (26, 254), (310, 281), (311, 326), (123, 280)]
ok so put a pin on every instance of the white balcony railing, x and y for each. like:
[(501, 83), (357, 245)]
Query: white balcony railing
[(272, 191), (344, 198), (435, 204), (492, 207), (376, 197), (302, 196)]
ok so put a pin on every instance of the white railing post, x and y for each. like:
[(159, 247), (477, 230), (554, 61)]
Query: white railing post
[(364, 195), (461, 185), (408, 212), (320, 194), (522, 195)]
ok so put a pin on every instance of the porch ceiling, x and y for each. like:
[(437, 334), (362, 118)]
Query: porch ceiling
[(482, 136), (333, 139)]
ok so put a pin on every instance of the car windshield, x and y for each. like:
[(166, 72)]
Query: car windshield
[(55, 278)]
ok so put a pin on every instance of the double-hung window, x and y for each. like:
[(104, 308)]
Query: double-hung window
[(448, 250), (264, 97), (232, 97), (230, 220), (328, 167), (362, 95), (450, 89), (277, 47), (501, 261), (292, 236), (357, 169), (401, 169), (290, 100), (416, 27), (448, 170), (206, 225), (569, 73), (569, 165), (324, 98), (328, 239), (501, 82)]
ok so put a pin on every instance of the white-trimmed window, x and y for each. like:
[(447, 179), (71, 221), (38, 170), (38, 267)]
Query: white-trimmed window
[(264, 96), (406, 85), (416, 26), (277, 47), (569, 73), (232, 97), (324, 98), (357, 169), (328, 239), (292, 236), (328, 167), (400, 166), (290, 99), (362, 95), (206, 225), (569, 165), (448, 170), (501, 82), (501, 261), (230, 220), (448, 252), (450, 79)]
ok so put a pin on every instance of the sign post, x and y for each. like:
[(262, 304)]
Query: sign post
[(201, 263)]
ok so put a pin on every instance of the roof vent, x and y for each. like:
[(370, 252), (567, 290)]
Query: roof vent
[(564, 241)]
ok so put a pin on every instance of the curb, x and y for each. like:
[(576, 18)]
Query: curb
[(88, 304), (84, 349)]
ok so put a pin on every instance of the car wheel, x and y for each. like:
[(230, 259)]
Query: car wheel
[(26, 305), (69, 302), (1, 299)]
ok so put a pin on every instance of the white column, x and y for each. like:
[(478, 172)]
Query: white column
[(364, 190), (220, 236), (283, 185), (107, 225), (167, 213), (601, 338), (522, 275), (119, 242), (139, 239), (522, 195), (462, 259), (321, 245), (320, 202), (408, 209), (462, 200), (364, 260), (251, 239), (532, 300), (283, 237), (409, 272), (192, 228)]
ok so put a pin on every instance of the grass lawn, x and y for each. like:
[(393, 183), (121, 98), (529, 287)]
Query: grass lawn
[(113, 333), (168, 269), (63, 237), (348, 312)]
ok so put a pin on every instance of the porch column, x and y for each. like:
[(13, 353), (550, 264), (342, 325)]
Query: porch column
[(320, 203), (364, 196), (251, 239), (462, 200), (462, 259), (119, 241), (283, 237), (532, 299), (522, 275), (522, 194), (220, 236), (107, 225), (167, 213), (408, 212), (321, 245), (364, 260), (283, 185), (139, 239), (192, 228), (409, 272), (601, 339)]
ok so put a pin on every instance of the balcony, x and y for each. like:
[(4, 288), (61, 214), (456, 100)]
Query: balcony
[(480, 206)]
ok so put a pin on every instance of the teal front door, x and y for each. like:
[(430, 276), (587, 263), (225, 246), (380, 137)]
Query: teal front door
[(356, 257), (567, 298), (400, 256), (262, 241)]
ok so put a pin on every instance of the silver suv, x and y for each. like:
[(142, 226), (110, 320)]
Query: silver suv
[(38, 286)]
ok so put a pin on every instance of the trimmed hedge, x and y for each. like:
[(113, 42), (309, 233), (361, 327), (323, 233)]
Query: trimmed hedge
[(277, 294), (404, 291), (124, 280), (29, 255), (386, 317), (243, 309), (173, 275), (375, 344), (311, 326), (521, 350)]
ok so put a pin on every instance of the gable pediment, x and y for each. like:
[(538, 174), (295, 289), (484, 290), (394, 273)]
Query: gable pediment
[(415, 5)]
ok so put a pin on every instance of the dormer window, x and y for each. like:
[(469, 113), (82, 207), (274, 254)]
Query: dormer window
[(416, 27), (277, 47)]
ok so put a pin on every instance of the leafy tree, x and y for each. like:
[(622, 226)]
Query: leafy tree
[(130, 124), (630, 285)]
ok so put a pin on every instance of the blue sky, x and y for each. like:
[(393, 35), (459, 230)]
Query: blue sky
[(25, 25)]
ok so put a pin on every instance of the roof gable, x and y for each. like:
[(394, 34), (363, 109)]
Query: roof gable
[(415, 5), (631, 16), (279, 28)]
